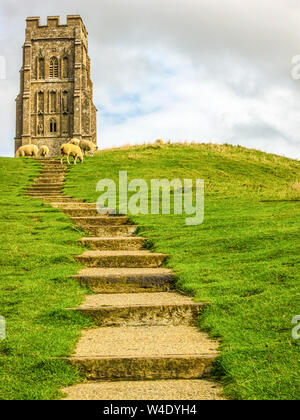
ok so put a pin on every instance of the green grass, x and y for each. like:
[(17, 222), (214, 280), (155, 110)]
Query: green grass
[(244, 258), (36, 248)]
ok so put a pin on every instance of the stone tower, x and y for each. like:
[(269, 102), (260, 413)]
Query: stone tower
[(55, 102)]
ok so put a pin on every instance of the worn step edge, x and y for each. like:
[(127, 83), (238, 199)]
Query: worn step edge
[(145, 368), (127, 260), (100, 220), (120, 230), (147, 315), (126, 243), (124, 281)]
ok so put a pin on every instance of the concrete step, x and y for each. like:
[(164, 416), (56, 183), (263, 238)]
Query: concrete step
[(134, 309), (111, 231), (126, 280), (120, 244), (122, 259), (100, 220), (139, 353), (165, 390)]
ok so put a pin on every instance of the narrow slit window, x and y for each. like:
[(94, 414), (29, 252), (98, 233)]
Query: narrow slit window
[(41, 68), (53, 126)]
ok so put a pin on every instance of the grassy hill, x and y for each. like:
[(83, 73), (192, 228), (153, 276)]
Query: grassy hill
[(244, 258), (36, 247)]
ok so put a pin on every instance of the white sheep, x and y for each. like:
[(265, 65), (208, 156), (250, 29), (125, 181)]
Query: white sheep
[(71, 150), (74, 141), (88, 147), (27, 150), (44, 151)]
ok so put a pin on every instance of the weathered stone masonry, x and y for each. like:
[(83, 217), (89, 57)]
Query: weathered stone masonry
[(56, 92)]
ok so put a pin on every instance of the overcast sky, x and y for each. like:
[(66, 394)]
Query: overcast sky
[(196, 70)]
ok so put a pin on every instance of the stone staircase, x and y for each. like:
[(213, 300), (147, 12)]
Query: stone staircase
[(145, 344)]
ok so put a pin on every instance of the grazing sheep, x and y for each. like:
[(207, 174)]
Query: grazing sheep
[(44, 151), (27, 150), (74, 141), (160, 142), (88, 147), (71, 150)]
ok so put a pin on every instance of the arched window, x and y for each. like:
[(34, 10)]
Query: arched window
[(65, 67), (53, 125), (53, 69)]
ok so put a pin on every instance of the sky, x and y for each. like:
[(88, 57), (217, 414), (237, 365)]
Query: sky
[(181, 70)]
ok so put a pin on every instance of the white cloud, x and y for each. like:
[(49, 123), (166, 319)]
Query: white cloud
[(198, 70)]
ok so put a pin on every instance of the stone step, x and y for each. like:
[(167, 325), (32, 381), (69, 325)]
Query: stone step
[(56, 199), (56, 171), (46, 159), (125, 280), (41, 184), (42, 194), (81, 212), (114, 259), (111, 231), (165, 390), (53, 167), (120, 244), (47, 180), (67, 205), (86, 210), (100, 220), (37, 187), (139, 353), (134, 309)]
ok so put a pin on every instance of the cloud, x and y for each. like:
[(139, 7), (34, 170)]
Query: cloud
[(198, 70)]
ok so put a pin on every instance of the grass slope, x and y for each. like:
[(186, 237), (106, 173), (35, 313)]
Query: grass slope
[(244, 258), (36, 248)]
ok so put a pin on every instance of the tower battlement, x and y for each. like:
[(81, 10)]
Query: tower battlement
[(54, 22), (56, 93)]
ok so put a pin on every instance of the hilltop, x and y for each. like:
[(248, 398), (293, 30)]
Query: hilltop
[(243, 259)]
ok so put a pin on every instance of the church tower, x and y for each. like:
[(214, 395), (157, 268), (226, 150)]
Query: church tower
[(55, 102)]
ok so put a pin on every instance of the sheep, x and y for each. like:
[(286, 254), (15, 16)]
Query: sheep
[(44, 151), (88, 146), (71, 150), (27, 150), (74, 141)]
